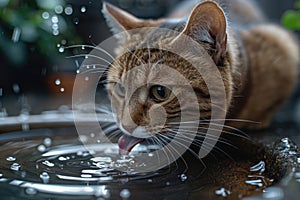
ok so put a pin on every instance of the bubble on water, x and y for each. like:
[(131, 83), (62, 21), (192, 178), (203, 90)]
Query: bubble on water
[(45, 15), (15, 166), (45, 177), (62, 89), (183, 177), (16, 88), (58, 9), (76, 20), (125, 194), (83, 9), (10, 158), (61, 49), (48, 163), (47, 142), (30, 191), (41, 148), (57, 82), (68, 10), (63, 42)]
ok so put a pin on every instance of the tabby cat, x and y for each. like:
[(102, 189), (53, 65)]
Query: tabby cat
[(257, 62)]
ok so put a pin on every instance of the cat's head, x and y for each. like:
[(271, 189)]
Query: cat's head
[(151, 87)]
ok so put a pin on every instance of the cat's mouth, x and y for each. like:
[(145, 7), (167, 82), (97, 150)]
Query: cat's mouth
[(126, 143)]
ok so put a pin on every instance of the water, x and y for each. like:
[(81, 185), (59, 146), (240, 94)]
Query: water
[(64, 168)]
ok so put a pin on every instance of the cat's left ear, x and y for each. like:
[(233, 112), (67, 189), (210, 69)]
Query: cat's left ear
[(207, 23)]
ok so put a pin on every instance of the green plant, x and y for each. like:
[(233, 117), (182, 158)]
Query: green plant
[(34, 27), (291, 18)]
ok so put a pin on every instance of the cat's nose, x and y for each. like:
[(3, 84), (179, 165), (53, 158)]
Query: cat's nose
[(127, 128)]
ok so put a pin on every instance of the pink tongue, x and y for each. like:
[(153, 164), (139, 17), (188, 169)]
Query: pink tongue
[(126, 143)]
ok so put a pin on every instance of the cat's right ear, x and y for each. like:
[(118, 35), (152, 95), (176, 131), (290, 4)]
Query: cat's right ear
[(118, 20)]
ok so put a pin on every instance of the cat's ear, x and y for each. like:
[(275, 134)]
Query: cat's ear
[(119, 20), (207, 23)]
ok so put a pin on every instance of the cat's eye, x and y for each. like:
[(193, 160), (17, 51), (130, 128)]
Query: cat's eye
[(119, 89), (159, 93)]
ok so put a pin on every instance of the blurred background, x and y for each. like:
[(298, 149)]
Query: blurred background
[(35, 72)]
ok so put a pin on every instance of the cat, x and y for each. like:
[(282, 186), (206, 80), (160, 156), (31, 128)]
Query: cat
[(257, 61)]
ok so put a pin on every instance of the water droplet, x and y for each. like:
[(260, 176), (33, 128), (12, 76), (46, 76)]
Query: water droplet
[(222, 192), (58, 9), (69, 10), (48, 163), (86, 78), (58, 45), (41, 148), (25, 127), (77, 63), (45, 15), (92, 135), (61, 158), (150, 180), (15, 166), (82, 47), (125, 194), (45, 177), (83, 9), (98, 141), (76, 20), (86, 56), (55, 26), (57, 82), (47, 142), (10, 158), (55, 32), (63, 42), (1, 174), (150, 154), (62, 89), (183, 177), (16, 88), (77, 71), (168, 183), (54, 19), (30, 191), (23, 174)]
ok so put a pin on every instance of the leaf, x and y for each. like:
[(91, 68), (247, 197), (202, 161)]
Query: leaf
[(291, 20)]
